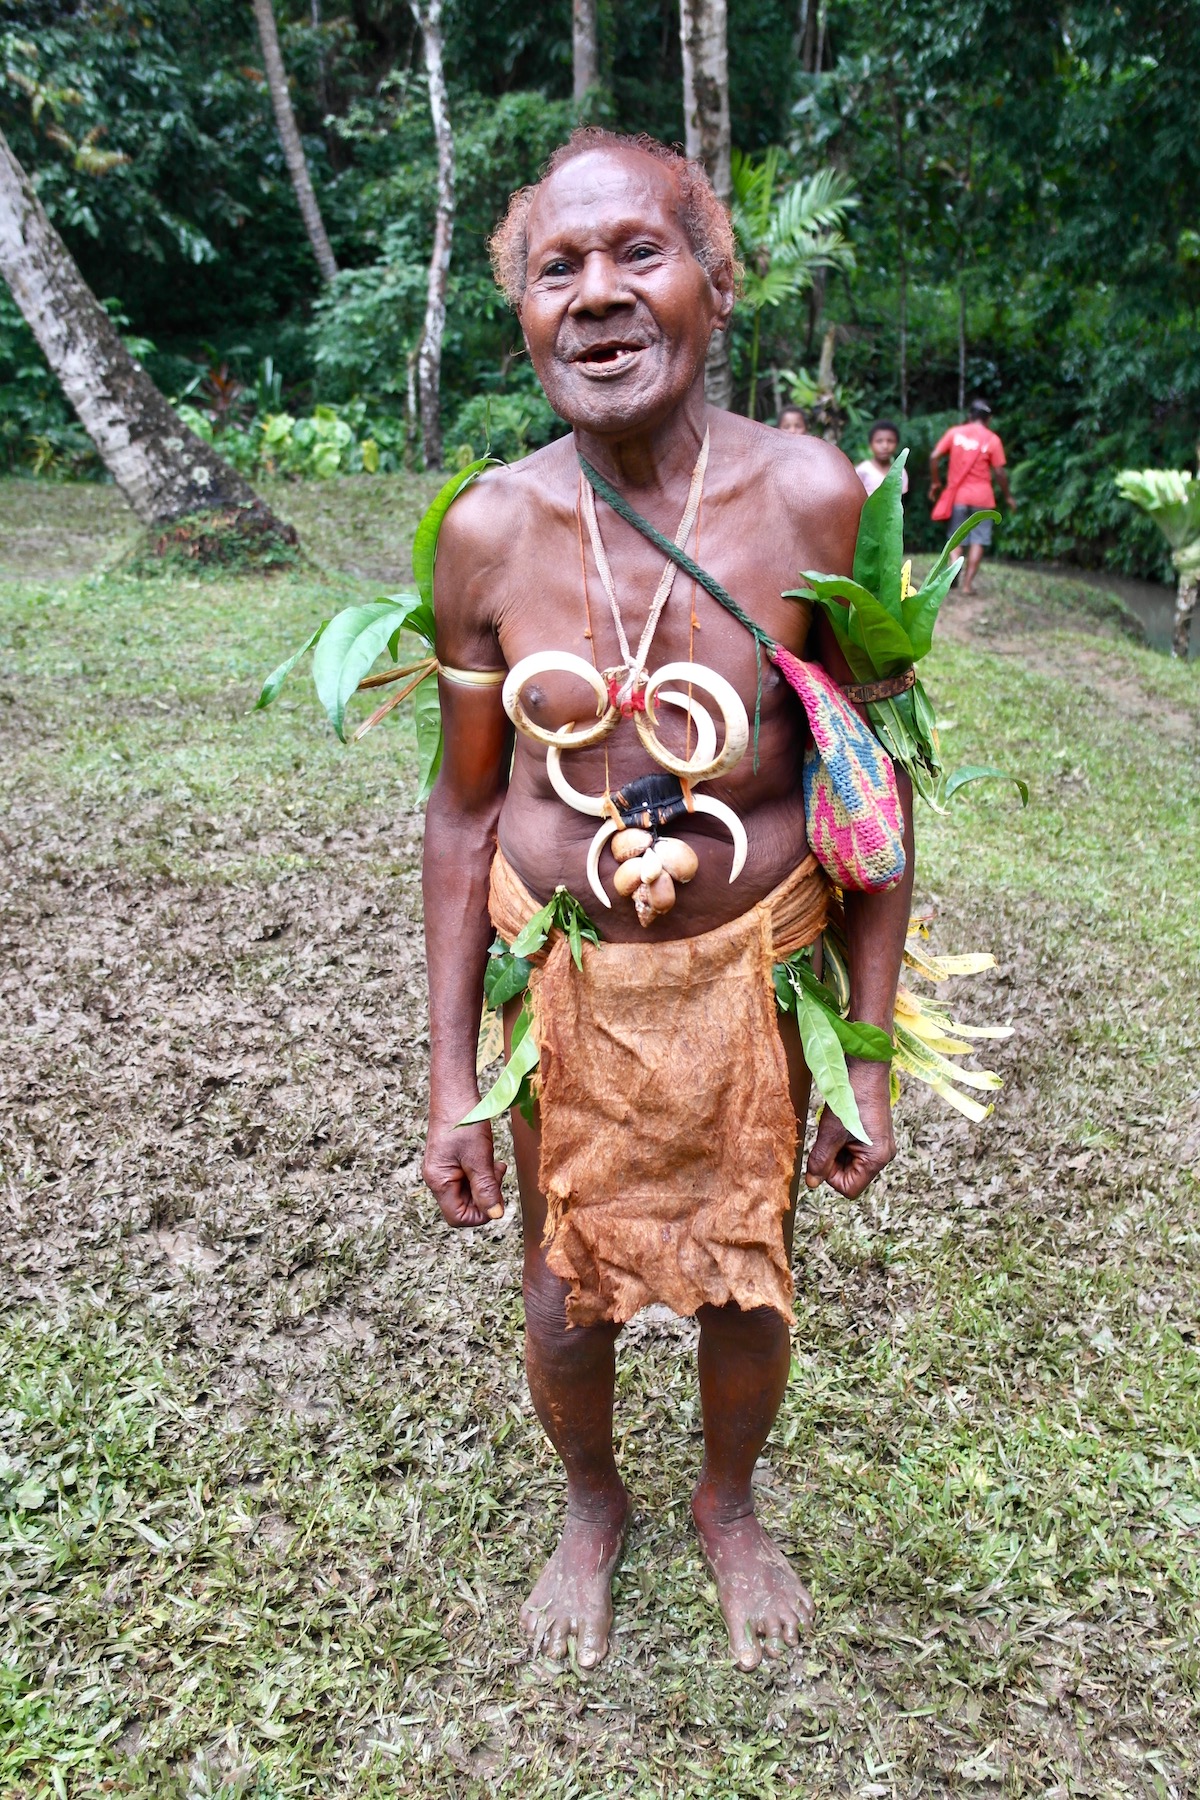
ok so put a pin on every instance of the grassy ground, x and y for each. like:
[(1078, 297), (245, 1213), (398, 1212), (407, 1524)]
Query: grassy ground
[(271, 1489)]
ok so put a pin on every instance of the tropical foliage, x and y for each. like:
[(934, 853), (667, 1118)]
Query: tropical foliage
[(784, 237), (993, 149)]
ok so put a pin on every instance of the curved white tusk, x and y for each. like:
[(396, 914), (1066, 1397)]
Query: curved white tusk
[(558, 662), (584, 803), (717, 809), (737, 725), (706, 731), (607, 830)]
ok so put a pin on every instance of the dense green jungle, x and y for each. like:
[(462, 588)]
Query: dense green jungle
[(1025, 225)]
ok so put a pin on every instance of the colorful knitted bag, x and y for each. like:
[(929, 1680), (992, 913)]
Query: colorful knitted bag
[(855, 822), (851, 802)]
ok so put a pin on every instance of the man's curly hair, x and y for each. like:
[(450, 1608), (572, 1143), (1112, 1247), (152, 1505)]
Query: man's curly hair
[(705, 221)]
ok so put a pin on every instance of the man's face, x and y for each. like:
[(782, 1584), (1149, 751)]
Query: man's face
[(793, 422), (617, 312), (884, 445)]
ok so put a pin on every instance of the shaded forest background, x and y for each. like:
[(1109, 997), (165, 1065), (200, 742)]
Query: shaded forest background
[(1027, 177)]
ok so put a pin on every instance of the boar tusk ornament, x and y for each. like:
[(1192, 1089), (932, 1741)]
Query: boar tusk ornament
[(633, 819)]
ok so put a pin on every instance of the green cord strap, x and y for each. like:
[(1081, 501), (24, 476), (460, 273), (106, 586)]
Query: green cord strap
[(762, 639)]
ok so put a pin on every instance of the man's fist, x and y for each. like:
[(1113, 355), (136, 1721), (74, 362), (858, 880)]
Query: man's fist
[(840, 1159), (462, 1173)]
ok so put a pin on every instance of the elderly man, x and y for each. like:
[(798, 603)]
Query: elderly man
[(620, 265)]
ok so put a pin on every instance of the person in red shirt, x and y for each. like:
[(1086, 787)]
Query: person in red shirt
[(975, 453)]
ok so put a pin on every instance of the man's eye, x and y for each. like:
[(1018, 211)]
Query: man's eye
[(641, 251), (557, 268)]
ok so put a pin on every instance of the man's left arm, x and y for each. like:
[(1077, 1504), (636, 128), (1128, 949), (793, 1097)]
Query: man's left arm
[(876, 929), (1000, 470)]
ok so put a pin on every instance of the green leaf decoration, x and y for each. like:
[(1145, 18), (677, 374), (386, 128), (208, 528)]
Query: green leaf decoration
[(561, 910), (979, 772), (855, 1037), (920, 610), (425, 542), (277, 677), (824, 1055), (505, 976), (427, 717), (417, 617), (535, 930), (869, 626), (522, 1061), (879, 552), (350, 643)]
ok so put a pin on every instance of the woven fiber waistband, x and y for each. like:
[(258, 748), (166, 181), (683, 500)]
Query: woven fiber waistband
[(796, 909)]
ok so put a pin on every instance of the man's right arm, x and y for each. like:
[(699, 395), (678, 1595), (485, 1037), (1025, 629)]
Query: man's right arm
[(460, 841)]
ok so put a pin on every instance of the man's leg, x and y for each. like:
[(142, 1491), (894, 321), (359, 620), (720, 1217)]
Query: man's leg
[(744, 1359), (974, 558), (571, 1373)]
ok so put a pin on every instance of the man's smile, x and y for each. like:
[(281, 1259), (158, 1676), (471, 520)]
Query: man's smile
[(606, 358)]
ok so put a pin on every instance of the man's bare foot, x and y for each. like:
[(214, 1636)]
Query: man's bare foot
[(766, 1605), (573, 1595)]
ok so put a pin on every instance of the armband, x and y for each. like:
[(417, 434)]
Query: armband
[(862, 693), (480, 678)]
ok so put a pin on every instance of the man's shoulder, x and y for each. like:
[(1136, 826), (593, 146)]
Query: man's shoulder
[(800, 471), (504, 501)]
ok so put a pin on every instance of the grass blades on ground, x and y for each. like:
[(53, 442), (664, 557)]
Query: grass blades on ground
[(271, 1487)]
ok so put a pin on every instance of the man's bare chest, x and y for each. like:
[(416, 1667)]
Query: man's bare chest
[(552, 598)]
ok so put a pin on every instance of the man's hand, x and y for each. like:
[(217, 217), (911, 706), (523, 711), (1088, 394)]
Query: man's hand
[(840, 1159), (935, 488), (462, 1172)]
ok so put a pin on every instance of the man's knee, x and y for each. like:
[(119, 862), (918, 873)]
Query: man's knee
[(545, 1297), (546, 1315), (749, 1327)]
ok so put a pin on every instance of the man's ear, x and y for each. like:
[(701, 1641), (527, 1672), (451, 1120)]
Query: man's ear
[(721, 283)]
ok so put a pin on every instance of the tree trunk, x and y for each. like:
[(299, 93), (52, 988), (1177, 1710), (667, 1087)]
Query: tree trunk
[(428, 14), (164, 471), (901, 248), (1185, 605), (586, 50), (289, 137), (702, 30)]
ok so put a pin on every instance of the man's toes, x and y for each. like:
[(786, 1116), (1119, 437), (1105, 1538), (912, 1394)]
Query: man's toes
[(748, 1654), (592, 1647), (791, 1631), (555, 1643)]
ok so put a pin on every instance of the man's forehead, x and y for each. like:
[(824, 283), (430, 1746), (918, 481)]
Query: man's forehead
[(622, 185)]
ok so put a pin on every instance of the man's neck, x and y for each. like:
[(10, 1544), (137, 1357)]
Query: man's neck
[(653, 460)]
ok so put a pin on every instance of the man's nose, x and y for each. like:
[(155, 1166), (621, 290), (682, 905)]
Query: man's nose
[(602, 285)]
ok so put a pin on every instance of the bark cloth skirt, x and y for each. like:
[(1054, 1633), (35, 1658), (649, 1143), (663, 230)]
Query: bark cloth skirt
[(668, 1135)]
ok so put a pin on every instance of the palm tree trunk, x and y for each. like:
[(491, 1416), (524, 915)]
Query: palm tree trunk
[(428, 14), (586, 50), (703, 35), (752, 405), (164, 471), (901, 246), (289, 137)]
